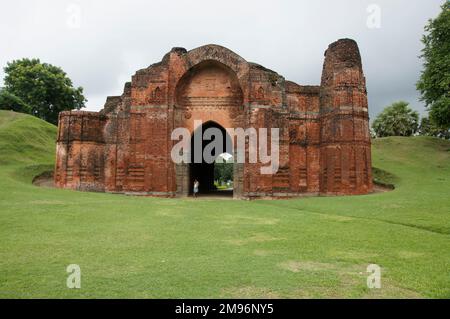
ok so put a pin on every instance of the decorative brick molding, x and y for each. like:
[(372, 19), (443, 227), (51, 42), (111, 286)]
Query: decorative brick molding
[(324, 130)]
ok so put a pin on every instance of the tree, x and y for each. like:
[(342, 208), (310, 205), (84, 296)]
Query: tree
[(9, 101), (223, 170), (44, 87), (429, 128), (434, 83), (396, 120)]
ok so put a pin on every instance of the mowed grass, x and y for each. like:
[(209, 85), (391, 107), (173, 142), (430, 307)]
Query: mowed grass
[(135, 247)]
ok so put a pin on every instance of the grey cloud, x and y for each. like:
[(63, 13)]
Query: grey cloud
[(115, 38)]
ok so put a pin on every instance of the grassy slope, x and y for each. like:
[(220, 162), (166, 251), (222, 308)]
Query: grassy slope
[(147, 247)]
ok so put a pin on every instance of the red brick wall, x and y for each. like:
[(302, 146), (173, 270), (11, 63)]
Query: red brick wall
[(324, 137), (345, 141), (80, 151)]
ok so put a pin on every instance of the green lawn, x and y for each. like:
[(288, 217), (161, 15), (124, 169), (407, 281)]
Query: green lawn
[(177, 248)]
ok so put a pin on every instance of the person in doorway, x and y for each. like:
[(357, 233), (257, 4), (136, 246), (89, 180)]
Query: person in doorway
[(196, 185)]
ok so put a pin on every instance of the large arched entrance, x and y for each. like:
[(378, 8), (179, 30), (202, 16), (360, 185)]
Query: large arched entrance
[(208, 144), (208, 92)]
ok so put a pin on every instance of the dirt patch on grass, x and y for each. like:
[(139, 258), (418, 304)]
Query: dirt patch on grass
[(48, 202), (337, 218), (297, 266), (246, 220), (258, 238), (262, 252), (382, 188), (44, 179)]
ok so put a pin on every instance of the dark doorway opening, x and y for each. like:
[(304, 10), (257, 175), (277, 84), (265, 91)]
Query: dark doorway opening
[(204, 170)]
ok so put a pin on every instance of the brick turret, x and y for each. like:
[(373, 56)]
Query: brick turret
[(345, 140)]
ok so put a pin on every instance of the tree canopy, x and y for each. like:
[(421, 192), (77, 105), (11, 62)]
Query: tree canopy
[(429, 128), (434, 83), (9, 101), (223, 170), (45, 88), (397, 119)]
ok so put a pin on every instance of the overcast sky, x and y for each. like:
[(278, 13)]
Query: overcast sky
[(100, 44)]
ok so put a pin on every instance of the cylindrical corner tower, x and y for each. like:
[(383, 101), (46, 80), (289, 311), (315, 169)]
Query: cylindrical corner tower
[(345, 140)]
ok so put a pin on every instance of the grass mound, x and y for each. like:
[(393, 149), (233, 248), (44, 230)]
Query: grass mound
[(25, 139), (134, 247)]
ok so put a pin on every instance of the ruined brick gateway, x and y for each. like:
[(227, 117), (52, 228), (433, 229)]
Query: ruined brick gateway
[(125, 148)]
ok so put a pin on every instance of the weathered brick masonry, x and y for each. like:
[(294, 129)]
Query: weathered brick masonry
[(125, 148)]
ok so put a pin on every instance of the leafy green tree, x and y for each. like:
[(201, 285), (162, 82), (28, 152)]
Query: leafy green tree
[(434, 83), (46, 88), (9, 101), (429, 128), (223, 171), (396, 120)]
